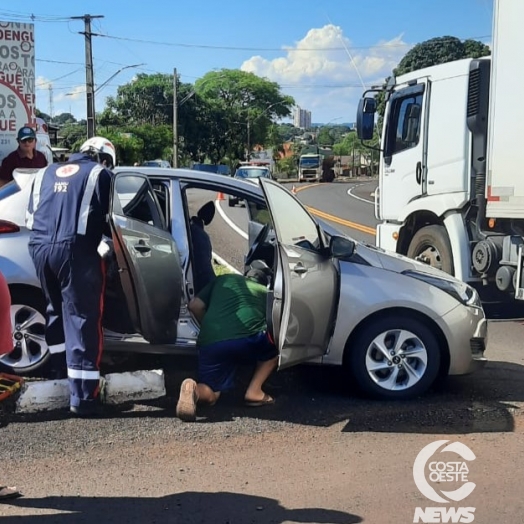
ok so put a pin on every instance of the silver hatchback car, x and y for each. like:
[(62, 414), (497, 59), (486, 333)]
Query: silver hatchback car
[(393, 324)]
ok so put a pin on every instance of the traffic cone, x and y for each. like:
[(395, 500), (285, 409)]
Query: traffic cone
[(294, 189), (220, 196)]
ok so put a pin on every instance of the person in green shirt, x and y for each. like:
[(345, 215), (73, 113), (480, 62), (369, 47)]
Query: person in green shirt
[(232, 315)]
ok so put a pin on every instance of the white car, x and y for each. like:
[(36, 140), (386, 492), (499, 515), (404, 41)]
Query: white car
[(249, 174), (393, 324)]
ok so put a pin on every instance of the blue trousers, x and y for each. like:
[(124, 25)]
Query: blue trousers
[(72, 277)]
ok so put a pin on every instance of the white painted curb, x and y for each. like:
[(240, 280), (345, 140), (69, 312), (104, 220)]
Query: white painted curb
[(117, 388), (43, 396), (133, 385)]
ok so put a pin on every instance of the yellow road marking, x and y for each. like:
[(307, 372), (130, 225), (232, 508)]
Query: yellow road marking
[(341, 221), (326, 216)]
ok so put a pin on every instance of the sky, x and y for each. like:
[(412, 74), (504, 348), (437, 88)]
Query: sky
[(324, 53)]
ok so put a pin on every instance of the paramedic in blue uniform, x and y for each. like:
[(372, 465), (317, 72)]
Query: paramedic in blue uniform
[(68, 215)]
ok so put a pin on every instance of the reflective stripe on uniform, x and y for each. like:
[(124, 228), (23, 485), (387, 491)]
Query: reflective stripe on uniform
[(86, 199), (83, 375), (37, 186), (57, 348)]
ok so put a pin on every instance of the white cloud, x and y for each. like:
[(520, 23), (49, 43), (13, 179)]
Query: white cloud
[(324, 73), (70, 100)]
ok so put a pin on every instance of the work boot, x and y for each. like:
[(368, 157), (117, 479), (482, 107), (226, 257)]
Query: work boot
[(87, 410)]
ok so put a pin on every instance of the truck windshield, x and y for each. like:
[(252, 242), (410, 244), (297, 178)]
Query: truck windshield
[(309, 162)]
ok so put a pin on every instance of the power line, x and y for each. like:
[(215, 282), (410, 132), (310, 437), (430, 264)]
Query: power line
[(294, 49)]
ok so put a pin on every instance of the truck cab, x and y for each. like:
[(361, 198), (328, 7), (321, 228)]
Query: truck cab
[(450, 192)]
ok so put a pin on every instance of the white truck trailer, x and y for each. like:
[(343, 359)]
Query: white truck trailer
[(451, 183)]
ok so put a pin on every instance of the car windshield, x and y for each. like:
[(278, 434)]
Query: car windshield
[(152, 163), (309, 161), (252, 173)]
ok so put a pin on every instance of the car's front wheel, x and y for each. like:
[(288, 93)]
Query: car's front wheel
[(394, 358), (30, 353)]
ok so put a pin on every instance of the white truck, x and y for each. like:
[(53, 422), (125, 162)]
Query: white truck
[(451, 190), (310, 167)]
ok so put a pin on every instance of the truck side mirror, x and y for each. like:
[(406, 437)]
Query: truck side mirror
[(367, 107)]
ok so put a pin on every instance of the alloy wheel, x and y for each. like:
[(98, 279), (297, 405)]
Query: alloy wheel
[(29, 344), (396, 359)]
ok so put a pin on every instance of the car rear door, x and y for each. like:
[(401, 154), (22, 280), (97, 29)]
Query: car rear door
[(306, 284), (147, 256)]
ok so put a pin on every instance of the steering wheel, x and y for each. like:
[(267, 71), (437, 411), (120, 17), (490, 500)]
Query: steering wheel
[(256, 245)]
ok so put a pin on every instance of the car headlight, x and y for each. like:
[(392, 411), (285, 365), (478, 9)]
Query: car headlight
[(461, 291)]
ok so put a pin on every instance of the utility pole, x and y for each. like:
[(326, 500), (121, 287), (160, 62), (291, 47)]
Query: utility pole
[(51, 109), (175, 120), (90, 82), (248, 156)]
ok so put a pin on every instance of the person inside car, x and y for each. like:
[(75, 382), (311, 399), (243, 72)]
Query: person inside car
[(203, 272), (232, 315)]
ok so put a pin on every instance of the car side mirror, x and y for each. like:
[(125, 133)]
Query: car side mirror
[(367, 107), (341, 247)]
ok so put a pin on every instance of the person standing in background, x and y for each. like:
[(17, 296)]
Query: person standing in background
[(24, 156)]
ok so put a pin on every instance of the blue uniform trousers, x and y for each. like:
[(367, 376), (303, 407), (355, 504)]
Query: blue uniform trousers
[(72, 277)]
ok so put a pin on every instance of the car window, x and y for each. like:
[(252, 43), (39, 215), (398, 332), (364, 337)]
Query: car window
[(294, 226), (134, 198)]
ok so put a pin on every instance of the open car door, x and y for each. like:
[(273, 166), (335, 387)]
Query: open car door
[(306, 284), (147, 256)]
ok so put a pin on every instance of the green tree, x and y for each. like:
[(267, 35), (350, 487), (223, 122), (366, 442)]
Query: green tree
[(246, 104), (433, 52), (439, 51), (64, 118), (144, 100)]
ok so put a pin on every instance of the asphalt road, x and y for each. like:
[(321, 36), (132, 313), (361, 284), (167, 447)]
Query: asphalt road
[(321, 454)]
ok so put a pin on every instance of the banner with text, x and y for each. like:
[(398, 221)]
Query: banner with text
[(17, 82)]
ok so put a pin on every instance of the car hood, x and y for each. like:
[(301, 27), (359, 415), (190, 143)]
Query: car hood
[(388, 260), (394, 262)]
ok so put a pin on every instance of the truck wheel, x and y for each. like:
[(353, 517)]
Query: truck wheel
[(431, 245), (394, 358)]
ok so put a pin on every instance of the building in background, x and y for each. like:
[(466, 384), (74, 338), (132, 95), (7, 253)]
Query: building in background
[(302, 118)]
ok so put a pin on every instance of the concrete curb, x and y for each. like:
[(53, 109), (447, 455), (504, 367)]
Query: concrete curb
[(116, 388), (219, 260)]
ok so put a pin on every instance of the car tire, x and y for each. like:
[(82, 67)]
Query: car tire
[(432, 243), (371, 370), (231, 202), (31, 356)]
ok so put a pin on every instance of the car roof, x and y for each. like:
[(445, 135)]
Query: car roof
[(190, 175)]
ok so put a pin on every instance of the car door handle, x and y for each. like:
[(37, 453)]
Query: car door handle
[(142, 248), (300, 269)]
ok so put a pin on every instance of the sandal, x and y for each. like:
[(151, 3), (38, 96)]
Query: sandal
[(7, 493), (266, 401)]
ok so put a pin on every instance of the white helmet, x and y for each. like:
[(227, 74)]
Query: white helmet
[(100, 146)]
